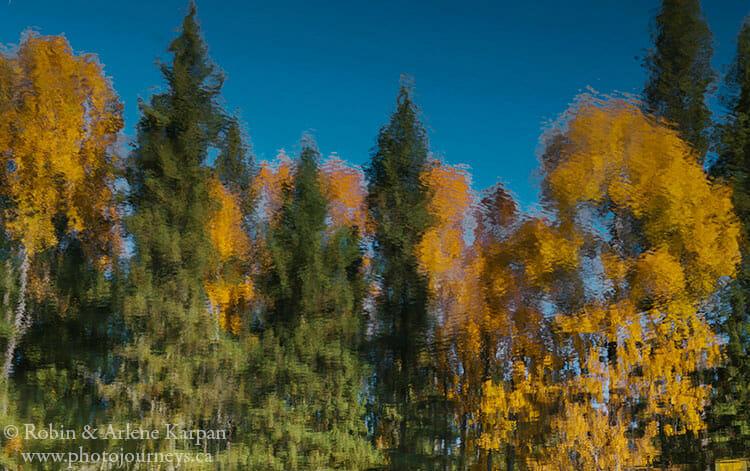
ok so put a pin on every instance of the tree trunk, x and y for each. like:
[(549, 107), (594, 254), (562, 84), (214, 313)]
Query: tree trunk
[(21, 321), (510, 458)]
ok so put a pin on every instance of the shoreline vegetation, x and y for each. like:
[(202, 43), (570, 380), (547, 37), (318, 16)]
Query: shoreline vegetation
[(308, 314)]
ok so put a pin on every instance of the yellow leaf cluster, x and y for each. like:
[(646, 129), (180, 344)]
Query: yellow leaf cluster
[(58, 121), (639, 166), (506, 410), (669, 237), (225, 224), (230, 299), (598, 441), (451, 197), (228, 287), (545, 249), (636, 241), (13, 446)]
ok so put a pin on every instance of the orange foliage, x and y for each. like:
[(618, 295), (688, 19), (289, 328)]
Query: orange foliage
[(523, 261), (454, 274), (54, 143), (443, 244), (270, 183), (344, 188)]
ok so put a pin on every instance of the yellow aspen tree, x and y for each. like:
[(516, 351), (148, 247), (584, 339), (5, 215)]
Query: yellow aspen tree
[(444, 257), (527, 261), (658, 239), (59, 118)]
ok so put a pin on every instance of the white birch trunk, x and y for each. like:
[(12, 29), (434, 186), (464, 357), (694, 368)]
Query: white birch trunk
[(21, 321)]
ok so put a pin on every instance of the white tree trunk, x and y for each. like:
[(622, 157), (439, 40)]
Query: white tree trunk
[(22, 319)]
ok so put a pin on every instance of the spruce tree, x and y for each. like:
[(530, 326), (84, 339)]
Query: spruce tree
[(679, 70), (729, 418), (307, 372), (177, 366), (403, 385)]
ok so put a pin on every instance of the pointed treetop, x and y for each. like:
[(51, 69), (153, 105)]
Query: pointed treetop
[(679, 70), (405, 124), (190, 58), (405, 99), (738, 77), (309, 148), (406, 86)]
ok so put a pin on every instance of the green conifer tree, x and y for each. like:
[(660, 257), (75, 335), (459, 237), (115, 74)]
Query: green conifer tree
[(178, 367), (729, 418), (679, 70), (307, 372), (403, 416)]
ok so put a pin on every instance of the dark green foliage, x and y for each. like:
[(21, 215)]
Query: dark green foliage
[(169, 189), (69, 348), (8, 300), (729, 420), (235, 168), (403, 416), (679, 70), (178, 367), (307, 374), (296, 282)]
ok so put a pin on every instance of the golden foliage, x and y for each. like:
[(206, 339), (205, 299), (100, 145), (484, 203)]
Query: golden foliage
[(665, 237), (228, 287), (454, 272), (450, 199), (225, 224), (59, 119), (640, 167), (13, 446), (230, 299), (520, 267), (597, 323)]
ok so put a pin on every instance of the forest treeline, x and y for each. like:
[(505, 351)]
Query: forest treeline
[(328, 316)]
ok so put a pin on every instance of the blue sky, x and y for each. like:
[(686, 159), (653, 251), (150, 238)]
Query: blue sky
[(489, 75)]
